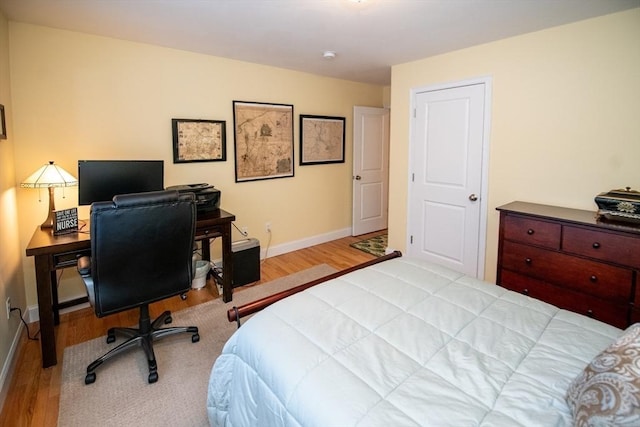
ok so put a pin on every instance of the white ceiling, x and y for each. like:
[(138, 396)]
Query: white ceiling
[(367, 37)]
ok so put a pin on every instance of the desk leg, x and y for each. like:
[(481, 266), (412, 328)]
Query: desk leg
[(227, 264), (44, 267), (205, 249), (54, 298)]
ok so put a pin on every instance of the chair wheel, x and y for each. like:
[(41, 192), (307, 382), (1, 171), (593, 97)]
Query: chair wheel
[(111, 338), (153, 377), (90, 378), (195, 337), (168, 320)]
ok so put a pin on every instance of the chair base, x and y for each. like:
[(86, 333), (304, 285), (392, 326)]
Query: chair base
[(145, 334)]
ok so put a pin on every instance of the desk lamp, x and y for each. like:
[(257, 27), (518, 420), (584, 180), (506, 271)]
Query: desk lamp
[(50, 176)]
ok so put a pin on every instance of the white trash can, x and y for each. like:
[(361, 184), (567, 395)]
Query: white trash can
[(200, 277)]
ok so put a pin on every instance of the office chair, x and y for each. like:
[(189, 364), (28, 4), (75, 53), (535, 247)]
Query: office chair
[(141, 252)]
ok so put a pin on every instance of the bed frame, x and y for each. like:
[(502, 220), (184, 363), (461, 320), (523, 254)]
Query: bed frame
[(234, 314)]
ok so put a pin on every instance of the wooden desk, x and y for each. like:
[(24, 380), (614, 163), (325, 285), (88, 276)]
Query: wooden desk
[(52, 253)]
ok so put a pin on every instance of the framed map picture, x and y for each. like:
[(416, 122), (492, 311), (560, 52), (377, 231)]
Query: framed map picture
[(199, 140), (263, 135), (321, 139)]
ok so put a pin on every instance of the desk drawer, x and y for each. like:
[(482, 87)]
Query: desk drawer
[(532, 231), (591, 277), (69, 259), (207, 234), (588, 305), (616, 248)]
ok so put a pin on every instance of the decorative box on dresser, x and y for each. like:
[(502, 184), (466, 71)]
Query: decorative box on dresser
[(571, 259)]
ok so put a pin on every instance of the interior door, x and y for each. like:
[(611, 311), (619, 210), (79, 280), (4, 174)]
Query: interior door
[(370, 169), (446, 211)]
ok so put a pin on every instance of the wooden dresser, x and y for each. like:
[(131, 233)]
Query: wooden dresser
[(569, 258)]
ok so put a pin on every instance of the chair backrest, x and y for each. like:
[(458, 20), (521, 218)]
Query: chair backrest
[(141, 249)]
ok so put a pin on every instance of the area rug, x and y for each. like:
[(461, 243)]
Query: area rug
[(374, 245), (121, 395)]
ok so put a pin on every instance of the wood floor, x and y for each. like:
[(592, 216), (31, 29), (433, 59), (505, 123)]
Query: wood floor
[(34, 392)]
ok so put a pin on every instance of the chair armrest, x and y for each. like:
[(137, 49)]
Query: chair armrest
[(84, 266)]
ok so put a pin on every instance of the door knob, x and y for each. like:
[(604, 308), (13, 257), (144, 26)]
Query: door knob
[(358, 177), (473, 197)]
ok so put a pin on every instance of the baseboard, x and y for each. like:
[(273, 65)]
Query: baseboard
[(265, 252), (9, 366), (32, 314), (302, 243)]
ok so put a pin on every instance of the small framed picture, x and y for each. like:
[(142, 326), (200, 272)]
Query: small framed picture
[(199, 140), (3, 123), (321, 139), (66, 221), (263, 135)]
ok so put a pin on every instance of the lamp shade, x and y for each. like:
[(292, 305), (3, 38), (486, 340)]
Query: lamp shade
[(50, 175)]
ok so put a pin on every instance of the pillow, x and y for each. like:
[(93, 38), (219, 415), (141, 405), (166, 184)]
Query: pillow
[(607, 392)]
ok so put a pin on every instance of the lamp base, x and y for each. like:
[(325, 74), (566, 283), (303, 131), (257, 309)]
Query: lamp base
[(48, 223)]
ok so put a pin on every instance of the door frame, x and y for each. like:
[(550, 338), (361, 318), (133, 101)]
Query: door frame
[(487, 82)]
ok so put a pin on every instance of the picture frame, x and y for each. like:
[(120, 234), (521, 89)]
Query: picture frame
[(196, 140), (322, 139), (3, 124), (263, 137)]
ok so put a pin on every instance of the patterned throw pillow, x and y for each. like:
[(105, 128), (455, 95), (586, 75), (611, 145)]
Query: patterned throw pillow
[(607, 392)]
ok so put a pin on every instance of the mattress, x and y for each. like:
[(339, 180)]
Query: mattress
[(403, 343)]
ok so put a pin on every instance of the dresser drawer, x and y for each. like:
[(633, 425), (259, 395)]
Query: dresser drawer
[(611, 313), (591, 277), (616, 248), (532, 231)]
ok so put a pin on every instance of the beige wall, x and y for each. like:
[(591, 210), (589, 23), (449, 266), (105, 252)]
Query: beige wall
[(11, 278), (565, 116), (77, 96)]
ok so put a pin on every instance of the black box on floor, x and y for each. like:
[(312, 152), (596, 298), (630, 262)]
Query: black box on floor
[(246, 261)]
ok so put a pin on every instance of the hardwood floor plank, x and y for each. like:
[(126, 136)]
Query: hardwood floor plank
[(34, 393)]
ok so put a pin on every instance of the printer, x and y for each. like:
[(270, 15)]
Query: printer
[(207, 197)]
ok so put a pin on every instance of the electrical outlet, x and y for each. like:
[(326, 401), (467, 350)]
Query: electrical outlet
[(8, 303), (267, 227)]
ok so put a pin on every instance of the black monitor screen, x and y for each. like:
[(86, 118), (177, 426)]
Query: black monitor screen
[(100, 180)]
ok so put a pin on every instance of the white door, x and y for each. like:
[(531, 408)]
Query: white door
[(447, 213), (370, 169)]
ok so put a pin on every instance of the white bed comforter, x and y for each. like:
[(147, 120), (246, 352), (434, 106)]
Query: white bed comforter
[(403, 343)]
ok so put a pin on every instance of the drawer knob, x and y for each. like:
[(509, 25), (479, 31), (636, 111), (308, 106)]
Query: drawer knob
[(530, 231), (593, 278), (596, 245), (528, 260)]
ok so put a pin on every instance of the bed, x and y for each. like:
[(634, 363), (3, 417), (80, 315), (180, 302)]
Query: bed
[(405, 342)]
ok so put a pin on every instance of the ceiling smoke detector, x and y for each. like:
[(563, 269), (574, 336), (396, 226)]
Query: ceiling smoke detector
[(329, 54)]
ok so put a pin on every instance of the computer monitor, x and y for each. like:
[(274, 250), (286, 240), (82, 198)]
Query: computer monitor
[(100, 180)]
